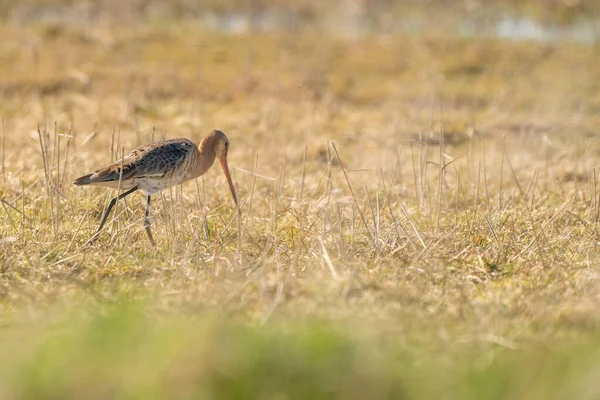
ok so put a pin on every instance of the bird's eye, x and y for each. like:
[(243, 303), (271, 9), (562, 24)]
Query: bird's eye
[(226, 144)]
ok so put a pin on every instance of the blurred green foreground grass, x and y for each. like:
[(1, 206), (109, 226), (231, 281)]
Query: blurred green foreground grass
[(128, 351)]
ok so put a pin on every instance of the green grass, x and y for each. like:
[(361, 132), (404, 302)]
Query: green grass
[(123, 352), (419, 216), (126, 353)]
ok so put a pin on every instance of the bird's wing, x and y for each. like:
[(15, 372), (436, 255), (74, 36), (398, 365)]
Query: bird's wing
[(150, 161)]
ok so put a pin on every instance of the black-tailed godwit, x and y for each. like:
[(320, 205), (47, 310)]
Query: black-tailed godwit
[(155, 166)]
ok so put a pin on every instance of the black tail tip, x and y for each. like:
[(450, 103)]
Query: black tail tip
[(83, 180)]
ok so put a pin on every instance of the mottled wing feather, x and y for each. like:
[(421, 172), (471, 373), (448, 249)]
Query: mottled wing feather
[(150, 161)]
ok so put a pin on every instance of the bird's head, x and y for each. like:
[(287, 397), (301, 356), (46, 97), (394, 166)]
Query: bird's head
[(221, 144)]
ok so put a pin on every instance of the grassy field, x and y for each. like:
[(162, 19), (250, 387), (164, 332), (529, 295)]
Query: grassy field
[(419, 216)]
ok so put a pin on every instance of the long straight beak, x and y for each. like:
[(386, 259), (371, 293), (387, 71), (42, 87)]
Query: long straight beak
[(225, 167)]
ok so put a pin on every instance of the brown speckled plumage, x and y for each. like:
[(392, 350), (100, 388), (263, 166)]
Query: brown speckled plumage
[(156, 166)]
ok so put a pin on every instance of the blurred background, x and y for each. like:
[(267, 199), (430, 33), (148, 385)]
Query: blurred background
[(173, 65)]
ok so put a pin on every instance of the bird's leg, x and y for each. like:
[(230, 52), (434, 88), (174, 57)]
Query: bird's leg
[(110, 206), (147, 221)]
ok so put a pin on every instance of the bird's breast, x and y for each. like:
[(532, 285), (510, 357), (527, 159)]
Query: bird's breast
[(152, 186)]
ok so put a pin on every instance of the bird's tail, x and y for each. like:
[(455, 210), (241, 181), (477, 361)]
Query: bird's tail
[(83, 180)]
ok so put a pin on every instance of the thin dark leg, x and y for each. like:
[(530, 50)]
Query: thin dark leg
[(110, 206), (147, 221)]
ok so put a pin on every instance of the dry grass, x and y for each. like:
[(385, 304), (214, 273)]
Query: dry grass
[(434, 192)]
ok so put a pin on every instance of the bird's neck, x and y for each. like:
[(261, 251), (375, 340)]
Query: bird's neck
[(205, 159)]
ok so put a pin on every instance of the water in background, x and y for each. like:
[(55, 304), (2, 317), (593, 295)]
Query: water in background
[(349, 19)]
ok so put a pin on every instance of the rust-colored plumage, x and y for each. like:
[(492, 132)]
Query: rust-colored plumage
[(153, 167)]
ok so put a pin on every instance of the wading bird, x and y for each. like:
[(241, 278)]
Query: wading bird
[(155, 166)]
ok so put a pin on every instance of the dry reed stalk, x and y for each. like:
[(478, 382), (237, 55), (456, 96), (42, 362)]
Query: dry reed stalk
[(362, 217)]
